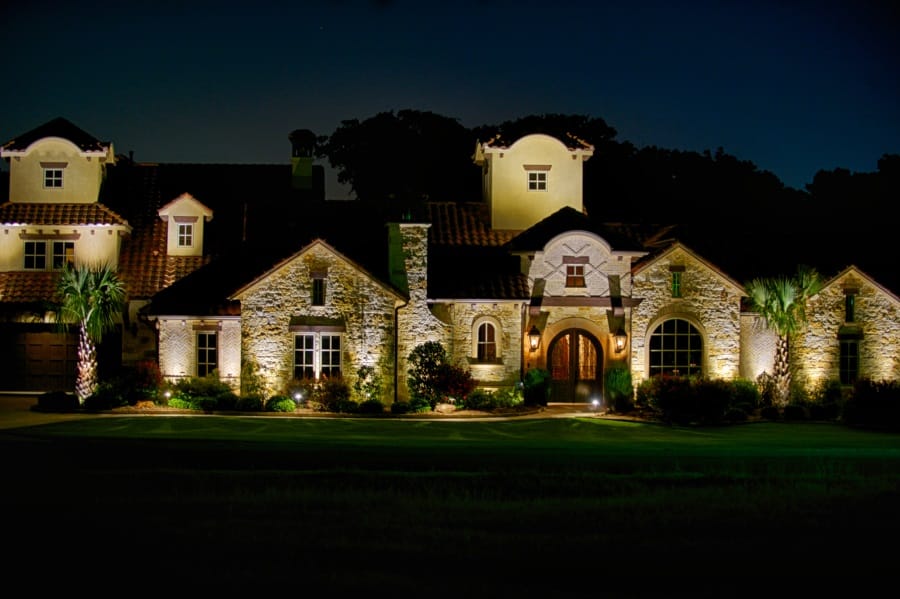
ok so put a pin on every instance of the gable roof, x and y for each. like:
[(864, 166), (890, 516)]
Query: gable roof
[(567, 220), (58, 127), (678, 246), (852, 270)]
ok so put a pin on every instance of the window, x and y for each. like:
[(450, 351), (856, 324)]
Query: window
[(35, 255), (63, 254), (318, 291), (317, 355), (487, 343), (676, 283), (676, 348), (849, 307), (207, 353), (185, 235), (575, 275), (53, 178), (849, 361), (537, 181)]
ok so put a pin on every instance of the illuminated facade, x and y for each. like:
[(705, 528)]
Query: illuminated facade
[(322, 289)]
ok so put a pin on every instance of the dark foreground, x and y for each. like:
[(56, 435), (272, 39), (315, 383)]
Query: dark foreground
[(549, 508)]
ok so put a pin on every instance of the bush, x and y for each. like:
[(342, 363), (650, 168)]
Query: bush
[(371, 406), (874, 404), (401, 407), (433, 380), (619, 390), (368, 384), (280, 403), (536, 387), (58, 401), (250, 403)]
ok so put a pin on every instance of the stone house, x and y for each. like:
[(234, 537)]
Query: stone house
[(236, 265)]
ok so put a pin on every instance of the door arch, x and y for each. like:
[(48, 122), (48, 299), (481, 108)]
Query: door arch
[(575, 358)]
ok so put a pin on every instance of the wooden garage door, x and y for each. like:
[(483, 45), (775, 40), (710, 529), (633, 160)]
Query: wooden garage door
[(41, 359)]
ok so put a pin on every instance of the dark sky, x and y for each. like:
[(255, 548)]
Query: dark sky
[(792, 86)]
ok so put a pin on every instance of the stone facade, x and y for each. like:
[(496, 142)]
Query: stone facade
[(278, 306)]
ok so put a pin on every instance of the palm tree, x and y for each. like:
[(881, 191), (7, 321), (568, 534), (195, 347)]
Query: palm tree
[(92, 298), (781, 301)]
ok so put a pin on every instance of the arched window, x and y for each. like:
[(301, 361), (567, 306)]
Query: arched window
[(486, 344), (676, 348)]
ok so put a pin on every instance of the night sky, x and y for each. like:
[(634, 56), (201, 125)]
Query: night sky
[(794, 87)]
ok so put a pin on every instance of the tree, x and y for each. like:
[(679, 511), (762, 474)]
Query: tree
[(91, 298), (781, 301)]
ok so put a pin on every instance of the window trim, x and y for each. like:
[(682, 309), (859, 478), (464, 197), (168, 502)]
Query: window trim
[(672, 366), (537, 181), (848, 362), (184, 232), (54, 174)]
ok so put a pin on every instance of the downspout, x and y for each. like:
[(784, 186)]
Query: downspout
[(397, 347)]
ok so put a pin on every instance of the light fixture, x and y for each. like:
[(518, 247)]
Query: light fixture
[(534, 338), (621, 337)]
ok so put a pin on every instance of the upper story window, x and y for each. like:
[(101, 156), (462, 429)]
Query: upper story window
[(575, 270), (35, 255), (60, 252), (318, 291), (53, 177), (677, 274), (185, 235), (850, 305), (537, 181)]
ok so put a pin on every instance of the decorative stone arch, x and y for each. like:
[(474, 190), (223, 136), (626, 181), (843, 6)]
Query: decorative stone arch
[(498, 335), (674, 313)]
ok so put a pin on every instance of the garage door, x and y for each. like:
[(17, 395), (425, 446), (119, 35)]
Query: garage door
[(41, 358)]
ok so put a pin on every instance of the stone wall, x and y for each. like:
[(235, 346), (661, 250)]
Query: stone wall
[(363, 305), (708, 300)]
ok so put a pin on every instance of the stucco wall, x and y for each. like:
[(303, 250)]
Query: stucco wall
[(82, 175), (178, 347), (513, 205), (758, 343), (93, 245), (708, 301)]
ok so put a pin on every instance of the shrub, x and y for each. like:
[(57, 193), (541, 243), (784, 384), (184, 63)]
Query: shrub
[(768, 389), (769, 413), (433, 380), (280, 403), (619, 390), (795, 411), (108, 395), (250, 403), (371, 406), (536, 387), (479, 399), (873, 404), (745, 395), (368, 384), (58, 401), (401, 407)]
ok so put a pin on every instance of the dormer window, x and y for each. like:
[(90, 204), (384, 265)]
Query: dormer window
[(537, 176), (185, 235), (53, 178), (53, 174)]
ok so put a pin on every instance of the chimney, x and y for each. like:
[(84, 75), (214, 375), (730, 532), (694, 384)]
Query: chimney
[(303, 145)]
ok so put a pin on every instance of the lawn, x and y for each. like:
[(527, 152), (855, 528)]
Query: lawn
[(524, 507)]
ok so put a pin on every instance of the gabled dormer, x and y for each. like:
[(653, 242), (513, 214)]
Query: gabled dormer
[(56, 163), (185, 216), (530, 179)]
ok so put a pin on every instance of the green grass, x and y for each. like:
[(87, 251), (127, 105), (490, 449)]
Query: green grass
[(524, 507)]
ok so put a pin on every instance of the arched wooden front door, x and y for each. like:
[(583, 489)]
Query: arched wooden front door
[(576, 367)]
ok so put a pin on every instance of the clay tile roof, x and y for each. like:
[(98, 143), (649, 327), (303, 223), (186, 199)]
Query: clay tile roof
[(58, 127), (27, 287), (463, 224), (19, 213)]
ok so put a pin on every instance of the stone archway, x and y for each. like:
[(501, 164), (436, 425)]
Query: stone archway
[(575, 362)]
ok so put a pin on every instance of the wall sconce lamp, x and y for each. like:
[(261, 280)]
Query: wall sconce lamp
[(621, 337), (534, 338)]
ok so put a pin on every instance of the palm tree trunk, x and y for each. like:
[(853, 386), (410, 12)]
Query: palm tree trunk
[(782, 370), (86, 375)]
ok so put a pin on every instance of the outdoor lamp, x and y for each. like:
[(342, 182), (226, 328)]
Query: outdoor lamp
[(621, 337), (534, 338)]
